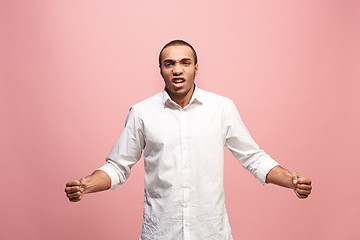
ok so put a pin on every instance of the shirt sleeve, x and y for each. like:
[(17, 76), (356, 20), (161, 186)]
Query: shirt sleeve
[(126, 151), (243, 147)]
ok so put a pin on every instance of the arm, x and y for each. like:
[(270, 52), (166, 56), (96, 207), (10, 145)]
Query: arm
[(239, 141), (124, 154), (282, 177), (261, 165), (96, 182)]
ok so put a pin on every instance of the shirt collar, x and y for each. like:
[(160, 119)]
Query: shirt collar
[(195, 98)]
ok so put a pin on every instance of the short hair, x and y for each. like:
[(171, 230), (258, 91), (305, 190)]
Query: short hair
[(178, 43)]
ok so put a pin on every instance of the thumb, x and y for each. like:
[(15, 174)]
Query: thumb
[(294, 177)]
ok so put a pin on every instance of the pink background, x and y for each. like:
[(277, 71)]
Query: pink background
[(70, 70)]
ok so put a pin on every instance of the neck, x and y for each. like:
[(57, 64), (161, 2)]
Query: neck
[(182, 101)]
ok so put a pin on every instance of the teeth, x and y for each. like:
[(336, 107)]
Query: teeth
[(178, 81)]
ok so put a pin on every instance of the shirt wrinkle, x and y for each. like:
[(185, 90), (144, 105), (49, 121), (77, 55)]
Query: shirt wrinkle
[(183, 151)]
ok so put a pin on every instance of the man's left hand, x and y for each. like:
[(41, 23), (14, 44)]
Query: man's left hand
[(301, 185)]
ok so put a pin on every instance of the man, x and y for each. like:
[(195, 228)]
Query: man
[(182, 131)]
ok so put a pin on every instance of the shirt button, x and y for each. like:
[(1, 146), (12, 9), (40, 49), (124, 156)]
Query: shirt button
[(186, 205)]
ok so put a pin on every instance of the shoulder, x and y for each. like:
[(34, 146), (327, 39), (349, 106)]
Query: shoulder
[(214, 98), (147, 104)]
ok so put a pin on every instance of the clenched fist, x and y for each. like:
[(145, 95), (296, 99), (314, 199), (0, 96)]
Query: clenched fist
[(75, 189), (96, 182), (301, 185)]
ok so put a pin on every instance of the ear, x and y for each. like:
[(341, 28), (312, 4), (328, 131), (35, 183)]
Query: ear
[(196, 68)]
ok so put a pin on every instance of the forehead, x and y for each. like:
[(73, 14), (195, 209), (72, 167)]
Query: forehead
[(177, 52)]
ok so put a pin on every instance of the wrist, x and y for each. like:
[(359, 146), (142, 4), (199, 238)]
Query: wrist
[(85, 184)]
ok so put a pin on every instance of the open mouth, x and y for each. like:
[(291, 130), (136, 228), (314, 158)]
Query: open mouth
[(178, 82)]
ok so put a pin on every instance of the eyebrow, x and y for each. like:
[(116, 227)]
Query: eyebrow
[(171, 60)]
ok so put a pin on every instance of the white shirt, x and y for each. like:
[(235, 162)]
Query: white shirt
[(184, 163)]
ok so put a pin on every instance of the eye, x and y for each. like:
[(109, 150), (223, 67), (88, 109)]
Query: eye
[(168, 64), (187, 63)]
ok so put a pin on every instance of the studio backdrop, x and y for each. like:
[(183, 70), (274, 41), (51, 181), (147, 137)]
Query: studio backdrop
[(70, 71)]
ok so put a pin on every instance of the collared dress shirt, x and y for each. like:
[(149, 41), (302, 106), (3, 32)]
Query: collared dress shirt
[(183, 151)]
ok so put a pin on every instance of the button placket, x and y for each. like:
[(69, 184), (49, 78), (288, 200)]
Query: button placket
[(185, 172)]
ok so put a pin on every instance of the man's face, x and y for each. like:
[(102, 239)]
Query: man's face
[(178, 70)]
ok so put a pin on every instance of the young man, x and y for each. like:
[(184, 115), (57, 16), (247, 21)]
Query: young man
[(181, 132)]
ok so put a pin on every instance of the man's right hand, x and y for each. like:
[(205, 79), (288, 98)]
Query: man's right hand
[(75, 189), (96, 182)]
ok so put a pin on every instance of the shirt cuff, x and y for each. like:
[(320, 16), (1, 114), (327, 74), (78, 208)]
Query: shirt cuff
[(109, 170), (266, 165)]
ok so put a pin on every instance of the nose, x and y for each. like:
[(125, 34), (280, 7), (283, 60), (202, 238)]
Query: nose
[(177, 69)]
